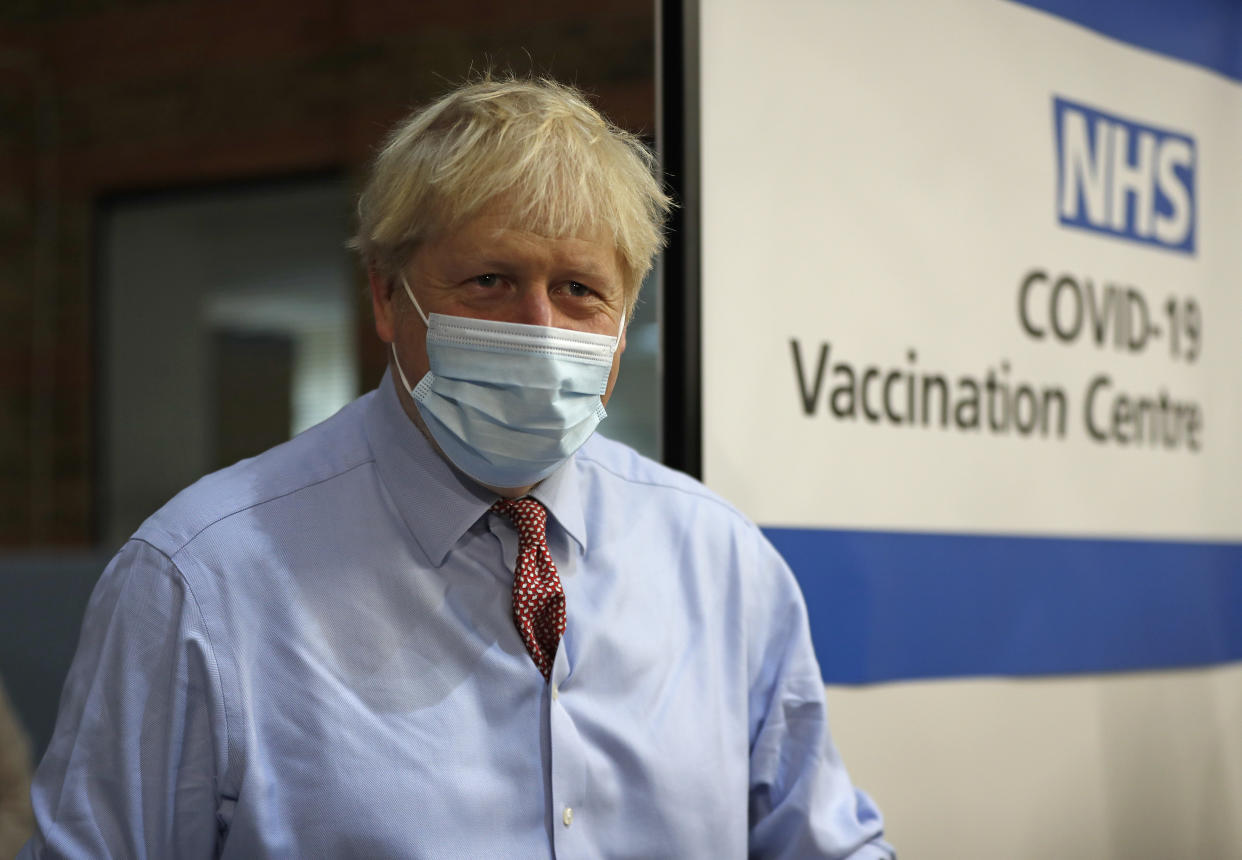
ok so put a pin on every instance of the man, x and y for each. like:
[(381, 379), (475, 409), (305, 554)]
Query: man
[(450, 621)]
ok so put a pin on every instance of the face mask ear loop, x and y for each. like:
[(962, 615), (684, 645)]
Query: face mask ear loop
[(400, 372), (413, 300), (616, 341)]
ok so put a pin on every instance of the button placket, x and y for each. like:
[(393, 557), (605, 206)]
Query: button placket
[(568, 768)]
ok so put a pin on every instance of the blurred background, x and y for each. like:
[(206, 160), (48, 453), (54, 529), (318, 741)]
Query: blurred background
[(177, 180)]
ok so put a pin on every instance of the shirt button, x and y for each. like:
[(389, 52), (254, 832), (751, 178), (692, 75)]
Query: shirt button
[(555, 694), (567, 817)]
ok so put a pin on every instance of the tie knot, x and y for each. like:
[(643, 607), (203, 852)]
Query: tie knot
[(526, 514)]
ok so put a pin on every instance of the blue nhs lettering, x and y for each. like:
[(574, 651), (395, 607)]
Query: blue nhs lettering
[(1120, 177)]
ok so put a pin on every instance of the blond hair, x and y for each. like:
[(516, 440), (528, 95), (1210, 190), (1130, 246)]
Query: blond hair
[(538, 146)]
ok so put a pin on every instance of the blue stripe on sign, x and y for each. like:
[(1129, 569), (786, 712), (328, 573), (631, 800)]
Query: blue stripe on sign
[(1207, 33), (895, 605)]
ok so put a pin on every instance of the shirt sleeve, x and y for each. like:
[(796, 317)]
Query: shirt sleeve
[(132, 767), (802, 803)]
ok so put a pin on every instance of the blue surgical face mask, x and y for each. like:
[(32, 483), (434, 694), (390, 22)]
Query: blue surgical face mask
[(508, 403)]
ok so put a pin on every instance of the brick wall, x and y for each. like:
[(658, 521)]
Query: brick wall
[(103, 96)]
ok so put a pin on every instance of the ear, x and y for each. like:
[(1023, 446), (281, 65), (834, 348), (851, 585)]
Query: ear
[(382, 305)]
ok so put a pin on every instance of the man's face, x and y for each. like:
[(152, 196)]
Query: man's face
[(488, 270)]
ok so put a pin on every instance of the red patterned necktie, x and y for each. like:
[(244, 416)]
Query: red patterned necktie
[(538, 599)]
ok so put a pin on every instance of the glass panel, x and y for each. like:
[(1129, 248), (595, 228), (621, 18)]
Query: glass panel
[(228, 325)]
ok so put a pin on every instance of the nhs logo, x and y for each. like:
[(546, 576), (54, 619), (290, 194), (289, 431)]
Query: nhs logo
[(1123, 178)]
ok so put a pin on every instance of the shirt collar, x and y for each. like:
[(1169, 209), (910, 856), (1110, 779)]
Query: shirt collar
[(437, 502), (560, 494)]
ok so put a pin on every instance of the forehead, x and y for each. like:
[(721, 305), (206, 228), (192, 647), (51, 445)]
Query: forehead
[(497, 234)]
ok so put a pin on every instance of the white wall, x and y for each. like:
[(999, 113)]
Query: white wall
[(1144, 766)]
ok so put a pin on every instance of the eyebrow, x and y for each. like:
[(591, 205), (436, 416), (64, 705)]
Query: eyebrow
[(575, 268), (586, 270)]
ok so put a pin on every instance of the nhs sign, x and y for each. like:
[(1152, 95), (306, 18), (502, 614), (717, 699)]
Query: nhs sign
[(1124, 178)]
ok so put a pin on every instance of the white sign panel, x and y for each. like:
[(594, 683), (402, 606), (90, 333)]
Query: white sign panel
[(985, 281)]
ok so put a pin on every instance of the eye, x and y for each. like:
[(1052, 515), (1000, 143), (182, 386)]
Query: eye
[(578, 290), (488, 280)]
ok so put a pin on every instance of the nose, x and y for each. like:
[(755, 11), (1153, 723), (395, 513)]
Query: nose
[(532, 305)]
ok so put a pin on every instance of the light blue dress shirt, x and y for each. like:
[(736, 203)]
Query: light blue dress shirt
[(311, 654)]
